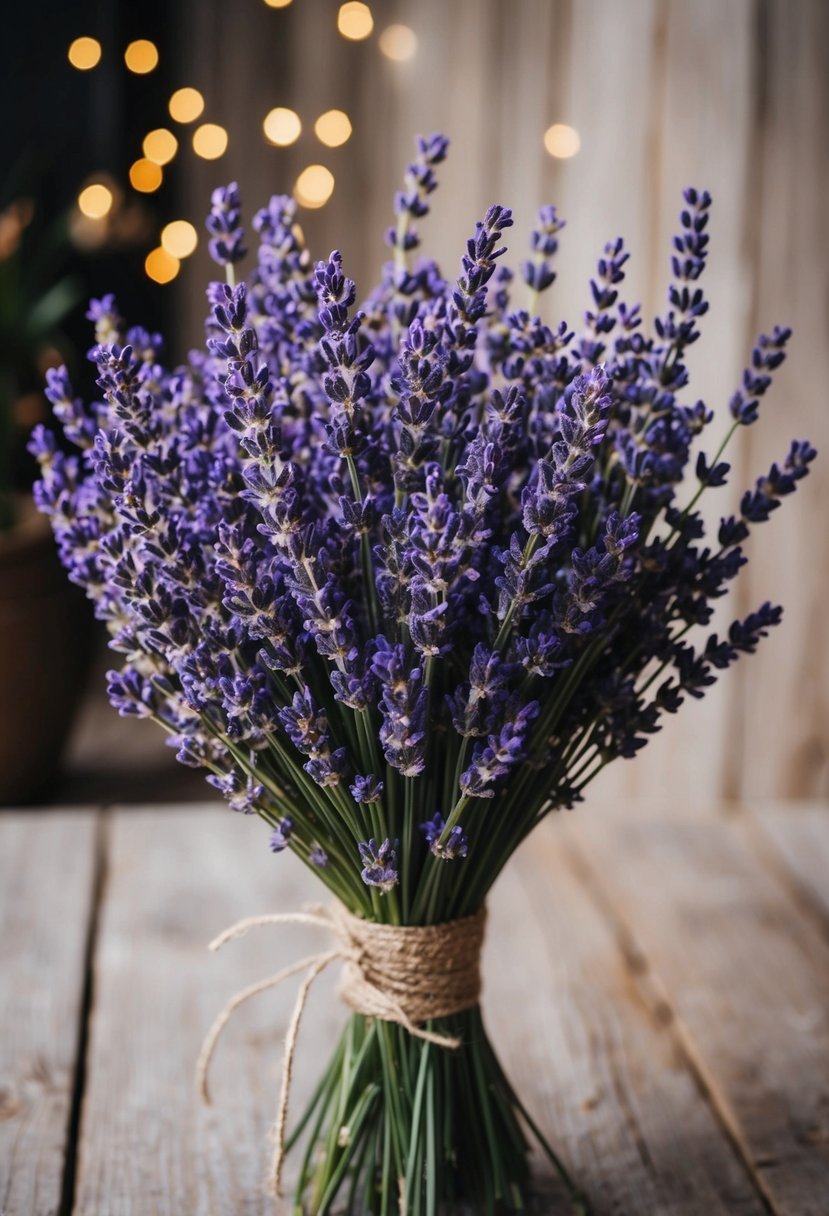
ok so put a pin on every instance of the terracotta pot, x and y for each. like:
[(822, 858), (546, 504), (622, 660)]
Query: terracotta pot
[(45, 650)]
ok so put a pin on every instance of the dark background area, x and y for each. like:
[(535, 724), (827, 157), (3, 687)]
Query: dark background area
[(71, 125)]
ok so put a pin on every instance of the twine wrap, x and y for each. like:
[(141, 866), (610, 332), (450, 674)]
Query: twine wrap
[(407, 974)]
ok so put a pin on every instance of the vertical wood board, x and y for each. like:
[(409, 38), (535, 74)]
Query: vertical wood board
[(743, 972), (47, 867)]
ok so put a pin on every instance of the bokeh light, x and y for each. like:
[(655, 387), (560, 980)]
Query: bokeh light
[(354, 20), (141, 56), (314, 186), (161, 266), (210, 141), (333, 128), (277, 3), (145, 175), (186, 105), (398, 42), (562, 141), (179, 238), (160, 146), (282, 127), (95, 201), (85, 53)]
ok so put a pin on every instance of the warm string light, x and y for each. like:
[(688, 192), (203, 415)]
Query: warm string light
[(562, 141), (314, 187), (161, 266), (179, 238), (160, 146), (277, 3), (398, 42), (282, 127), (333, 128), (141, 56), (145, 175), (95, 201), (210, 141), (354, 20), (84, 53), (186, 105)]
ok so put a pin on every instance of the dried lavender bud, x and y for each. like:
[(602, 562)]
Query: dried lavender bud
[(455, 845), (538, 273), (281, 835), (366, 789), (224, 223), (766, 357), (307, 728), (379, 865)]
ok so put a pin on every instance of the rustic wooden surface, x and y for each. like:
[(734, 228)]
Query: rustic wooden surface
[(657, 981), (47, 897)]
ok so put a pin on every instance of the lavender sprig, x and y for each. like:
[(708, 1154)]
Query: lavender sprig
[(383, 568)]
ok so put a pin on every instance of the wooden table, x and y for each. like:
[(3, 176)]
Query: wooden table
[(657, 981)]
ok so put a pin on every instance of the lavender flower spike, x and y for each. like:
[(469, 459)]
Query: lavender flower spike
[(224, 224)]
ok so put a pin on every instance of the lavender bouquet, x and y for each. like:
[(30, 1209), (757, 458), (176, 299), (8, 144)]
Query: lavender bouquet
[(403, 580)]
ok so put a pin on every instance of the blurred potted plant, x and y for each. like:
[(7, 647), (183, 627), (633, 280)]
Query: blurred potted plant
[(45, 636)]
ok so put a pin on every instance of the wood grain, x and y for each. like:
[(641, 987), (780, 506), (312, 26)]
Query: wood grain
[(47, 863), (744, 975), (781, 721), (599, 1069), (655, 986), (794, 839), (147, 1144), (709, 54)]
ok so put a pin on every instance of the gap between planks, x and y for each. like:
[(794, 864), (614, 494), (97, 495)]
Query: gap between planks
[(646, 985), (787, 842), (591, 851), (614, 1093), (100, 859), (47, 866), (654, 999)]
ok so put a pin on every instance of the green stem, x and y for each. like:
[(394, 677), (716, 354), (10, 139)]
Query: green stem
[(703, 486)]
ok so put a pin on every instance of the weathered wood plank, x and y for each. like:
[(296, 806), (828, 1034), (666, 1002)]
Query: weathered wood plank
[(781, 722), (603, 1077), (601, 1072), (745, 976), (175, 879), (47, 865), (796, 836), (710, 55)]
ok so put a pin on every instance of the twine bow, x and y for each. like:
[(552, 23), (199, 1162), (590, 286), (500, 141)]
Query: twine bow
[(407, 974)]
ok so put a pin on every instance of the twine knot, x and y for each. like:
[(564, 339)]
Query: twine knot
[(409, 974)]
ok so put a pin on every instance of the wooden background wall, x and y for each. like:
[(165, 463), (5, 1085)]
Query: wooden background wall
[(728, 94)]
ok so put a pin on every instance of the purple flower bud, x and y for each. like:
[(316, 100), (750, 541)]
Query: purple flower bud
[(379, 864), (455, 845), (281, 835), (224, 225), (366, 789)]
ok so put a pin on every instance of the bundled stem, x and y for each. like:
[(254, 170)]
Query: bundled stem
[(454, 1132)]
